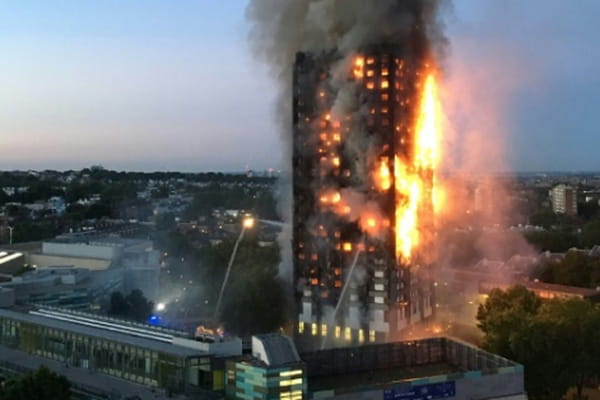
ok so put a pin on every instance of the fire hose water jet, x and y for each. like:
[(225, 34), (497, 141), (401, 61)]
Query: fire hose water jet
[(248, 223)]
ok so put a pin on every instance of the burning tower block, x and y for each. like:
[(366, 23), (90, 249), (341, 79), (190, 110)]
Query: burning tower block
[(365, 153)]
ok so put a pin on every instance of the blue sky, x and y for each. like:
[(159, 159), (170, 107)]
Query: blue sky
[(170, 84)]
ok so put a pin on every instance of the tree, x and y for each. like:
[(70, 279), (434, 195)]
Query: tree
[(139, 307), (118, 304), (590, 235), (254, 305), (576, 269), (41, 384), (503, 314), (555, 340), (134, 306), (555, 241)]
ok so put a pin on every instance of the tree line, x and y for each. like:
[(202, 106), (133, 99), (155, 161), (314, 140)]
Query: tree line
[(556, 340)]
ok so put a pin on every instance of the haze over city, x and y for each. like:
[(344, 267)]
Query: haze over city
[(150, 85), (299, 199)]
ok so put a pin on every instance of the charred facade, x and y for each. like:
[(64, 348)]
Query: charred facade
[(354, 121)]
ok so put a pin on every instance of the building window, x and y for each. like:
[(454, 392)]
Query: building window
[(348, 334), (291, 382), (301, 327), (287, 374), (324, 330)]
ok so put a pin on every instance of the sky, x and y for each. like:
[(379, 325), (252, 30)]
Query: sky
[(171, 84)]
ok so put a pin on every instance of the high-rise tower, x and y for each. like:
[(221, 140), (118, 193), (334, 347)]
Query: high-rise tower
[(364, 163)]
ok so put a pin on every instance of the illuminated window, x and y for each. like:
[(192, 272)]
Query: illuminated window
[(385, 97), (370, 60), (295, 395), (301, 327), (315, 282), (301, 256), (379, 287), (315, 329), (361, 336), (370, 73), (314, 257), (338, 332), (337, 271), (385, 72), (348, 334), (291, 382), (347, 247), (372, 336), (385, 110), (287, 374), (371, 85), (385, 84), (336, 161), (337, 137), (324, 330), (338, 284)]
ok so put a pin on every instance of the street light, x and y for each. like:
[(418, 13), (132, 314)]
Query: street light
[(247, 223), (160, 307)]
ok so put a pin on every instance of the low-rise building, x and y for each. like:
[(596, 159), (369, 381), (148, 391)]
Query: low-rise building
[(546, 290), (273, 371), (163, 359)]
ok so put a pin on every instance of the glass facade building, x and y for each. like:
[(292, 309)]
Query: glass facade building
[(153, 362)]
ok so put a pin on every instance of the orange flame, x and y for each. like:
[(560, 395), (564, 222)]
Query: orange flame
[(359, 67), (416, 195), (383, 175)]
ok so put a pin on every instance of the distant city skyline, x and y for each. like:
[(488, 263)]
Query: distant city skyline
[(153, 85)]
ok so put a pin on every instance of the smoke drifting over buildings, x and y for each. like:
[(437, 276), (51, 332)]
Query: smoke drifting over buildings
[(282, 28), (364, 150)]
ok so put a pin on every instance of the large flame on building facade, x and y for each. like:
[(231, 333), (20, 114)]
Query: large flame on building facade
[(415, 178), (410, 172), (367, 149)]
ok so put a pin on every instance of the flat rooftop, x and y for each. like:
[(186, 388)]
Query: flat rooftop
[(143, 336), (382, 377), (380, 366)]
